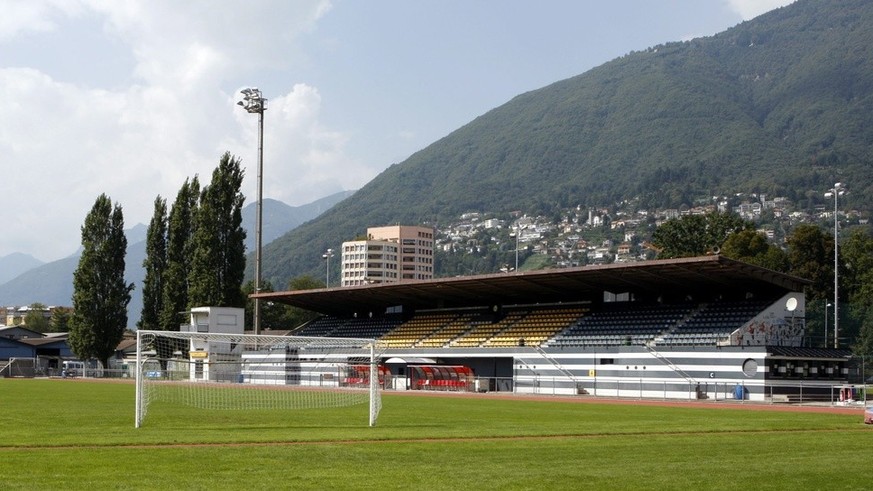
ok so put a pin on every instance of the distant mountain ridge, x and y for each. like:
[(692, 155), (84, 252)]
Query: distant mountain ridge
[(280, 218), (52, 283), (16, 263), (781, 105)]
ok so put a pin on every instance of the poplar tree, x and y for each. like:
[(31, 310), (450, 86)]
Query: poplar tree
[(100, 295), (218, 255), (180, 226), (155, 265)]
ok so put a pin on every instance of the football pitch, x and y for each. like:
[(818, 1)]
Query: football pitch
[(72, 434)]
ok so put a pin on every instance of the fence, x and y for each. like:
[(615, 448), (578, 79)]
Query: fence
[(772, 392), (20, 367), (798, 392)]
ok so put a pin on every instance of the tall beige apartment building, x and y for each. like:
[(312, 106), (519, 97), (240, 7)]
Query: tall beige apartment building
[(390, 254)]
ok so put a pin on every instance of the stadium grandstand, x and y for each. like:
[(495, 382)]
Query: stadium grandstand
[(703, 327)]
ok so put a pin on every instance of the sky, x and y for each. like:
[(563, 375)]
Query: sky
[(130, 98)]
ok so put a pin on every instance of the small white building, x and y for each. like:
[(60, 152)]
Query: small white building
[(215, 359)]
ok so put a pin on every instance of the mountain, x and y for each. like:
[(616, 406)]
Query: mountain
[(16, 263), (137, 233), (781, 104), (279, 218), (49, 284), (52, 283)]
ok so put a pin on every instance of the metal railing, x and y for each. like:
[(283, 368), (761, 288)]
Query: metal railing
[(738, 391)]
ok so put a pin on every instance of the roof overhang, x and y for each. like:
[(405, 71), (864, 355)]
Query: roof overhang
[(665, 277)]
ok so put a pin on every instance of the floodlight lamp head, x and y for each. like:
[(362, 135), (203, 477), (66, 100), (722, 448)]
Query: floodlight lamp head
[(252, 101)]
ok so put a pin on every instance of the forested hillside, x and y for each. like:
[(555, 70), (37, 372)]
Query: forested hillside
[(781, 104)]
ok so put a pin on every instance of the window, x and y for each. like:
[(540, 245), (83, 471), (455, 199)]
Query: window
[(750, 367)]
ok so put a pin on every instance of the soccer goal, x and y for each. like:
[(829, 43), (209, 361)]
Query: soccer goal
[(248, 372)]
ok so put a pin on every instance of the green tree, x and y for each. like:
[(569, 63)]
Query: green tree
[(856, 273), (856, 284), (295, 316), (218, 255), (810, 254), (100, 295), (60, 320), (35, 319), (753, 247), (180, 227), (696, 235), (863, 345), (155, 265), (273, 315)]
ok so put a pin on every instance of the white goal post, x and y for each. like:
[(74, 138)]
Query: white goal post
[(248, 372)]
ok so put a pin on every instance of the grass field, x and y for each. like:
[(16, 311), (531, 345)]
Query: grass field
[(64, 434)]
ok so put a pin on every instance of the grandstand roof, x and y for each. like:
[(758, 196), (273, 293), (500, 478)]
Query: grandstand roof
[(693, 276)]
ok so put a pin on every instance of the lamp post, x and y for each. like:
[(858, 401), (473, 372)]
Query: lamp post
[(827, 306), (327, 255), (836, 191), (517, 233), (254, 103)]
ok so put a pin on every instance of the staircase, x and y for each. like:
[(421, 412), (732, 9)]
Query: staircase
[(561, 369), (674, 367)]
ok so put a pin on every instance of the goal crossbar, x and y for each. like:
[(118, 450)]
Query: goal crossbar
[(248, 371)]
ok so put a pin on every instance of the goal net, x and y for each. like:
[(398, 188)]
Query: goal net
[(248, 372)]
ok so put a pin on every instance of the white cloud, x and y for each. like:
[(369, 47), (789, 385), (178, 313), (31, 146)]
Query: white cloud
[(162, 107), (303, 159), (749, 9), (175, 41), (33, 16), (63, 144)]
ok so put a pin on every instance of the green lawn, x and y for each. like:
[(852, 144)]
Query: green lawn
[(64, 434)]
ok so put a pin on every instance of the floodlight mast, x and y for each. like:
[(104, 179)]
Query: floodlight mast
[(516, 234), (254, 103), (837, 191), (327, 255), (828, 305)]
